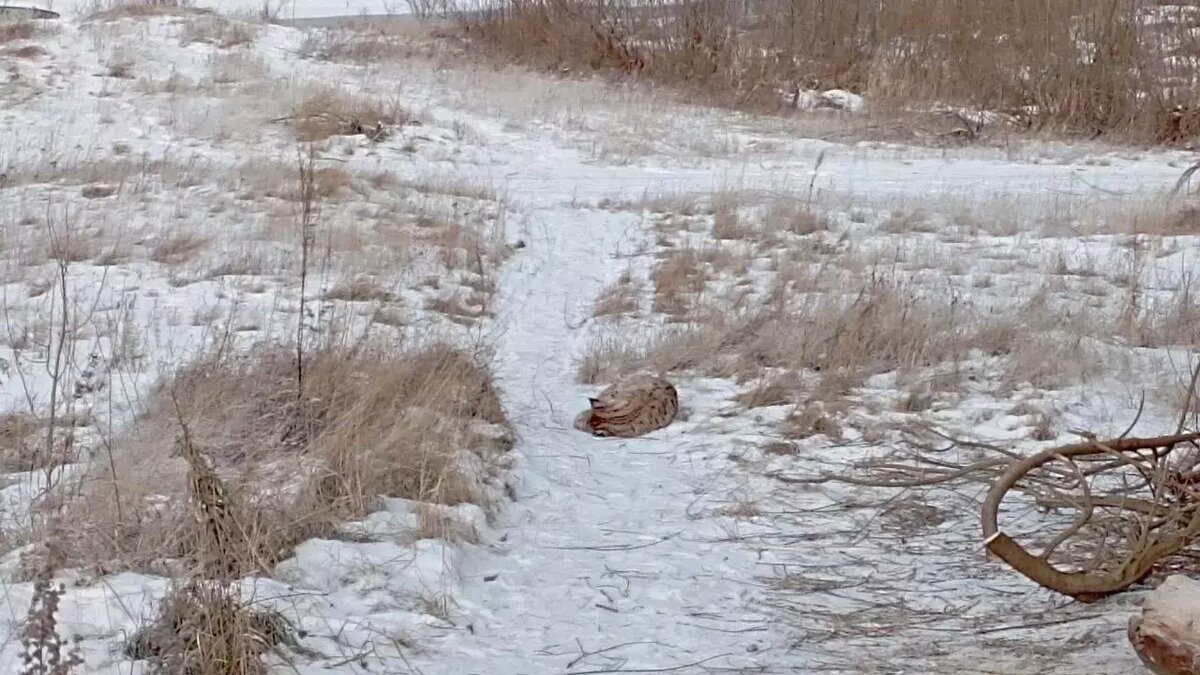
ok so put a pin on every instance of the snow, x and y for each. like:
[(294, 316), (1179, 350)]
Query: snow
[(616, 555)]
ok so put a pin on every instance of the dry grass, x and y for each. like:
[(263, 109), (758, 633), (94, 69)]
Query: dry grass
[(204, 629), (177, 247), (11, 31), (23, 444), (359, 289), (771, 390), (677, 279), (1081, 66), (808, 313), (619, 299), (113, 10), (361, 43), (380, 420), (329, 111), (217, 30), (842, 338)]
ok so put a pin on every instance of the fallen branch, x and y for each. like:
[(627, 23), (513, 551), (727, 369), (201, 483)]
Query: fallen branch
[(1091, 585)]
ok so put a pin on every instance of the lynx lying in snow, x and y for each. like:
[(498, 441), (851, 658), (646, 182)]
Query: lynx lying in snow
[(632, 407)]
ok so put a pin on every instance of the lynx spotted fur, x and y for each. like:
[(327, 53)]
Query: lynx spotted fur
[(632, 407)]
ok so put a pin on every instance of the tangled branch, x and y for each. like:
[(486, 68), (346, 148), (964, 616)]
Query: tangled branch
[(1166, 523)]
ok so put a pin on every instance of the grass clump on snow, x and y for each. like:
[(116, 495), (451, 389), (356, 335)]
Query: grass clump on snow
[(329, 111), (204, 629), (370, 420)]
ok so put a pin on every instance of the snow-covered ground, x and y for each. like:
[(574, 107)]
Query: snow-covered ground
[(681, 551)]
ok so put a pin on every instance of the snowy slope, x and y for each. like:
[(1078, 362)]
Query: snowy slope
[(616, 555)]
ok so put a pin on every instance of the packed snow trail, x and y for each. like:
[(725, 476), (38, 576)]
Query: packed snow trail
[(600, 548)]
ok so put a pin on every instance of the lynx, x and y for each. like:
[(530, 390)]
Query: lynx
[(632, 407)]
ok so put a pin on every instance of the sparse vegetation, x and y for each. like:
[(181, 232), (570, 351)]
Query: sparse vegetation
[(178, 247), (11, 31), (360, 42), (366, 430), (217, 30), (802, 312), (203, 628), (619, 299), (327, 111), (112, 10), (1083, 66)]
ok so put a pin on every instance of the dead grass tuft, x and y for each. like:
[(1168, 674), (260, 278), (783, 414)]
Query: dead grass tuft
[(204, 629), (371, 420), (359, 289), (218, 31), (329, 111), (677, 280), (771, 391), (23, 443), (840, 338), (11, 31), (114, 10), (619, 299), (177, 247)]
